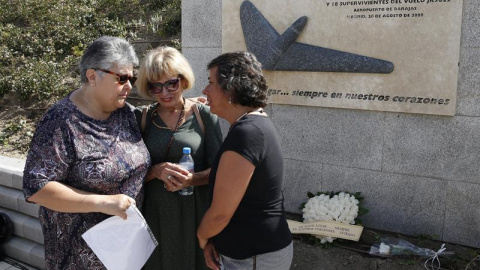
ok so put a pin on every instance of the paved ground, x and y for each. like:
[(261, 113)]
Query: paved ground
[(11, 264), (348, 255), (307, 256)]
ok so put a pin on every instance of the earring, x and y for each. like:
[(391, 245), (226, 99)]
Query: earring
[(230, 101)]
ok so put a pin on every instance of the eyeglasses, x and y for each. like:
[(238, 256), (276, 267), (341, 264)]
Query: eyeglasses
[(157, 88), (122, 78)]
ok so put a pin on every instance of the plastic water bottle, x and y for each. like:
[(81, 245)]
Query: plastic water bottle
[(187, 163)]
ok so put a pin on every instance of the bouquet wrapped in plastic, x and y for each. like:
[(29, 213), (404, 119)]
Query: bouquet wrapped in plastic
[(391, 246)]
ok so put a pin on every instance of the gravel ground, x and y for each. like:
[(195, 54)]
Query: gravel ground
[(346, 255)]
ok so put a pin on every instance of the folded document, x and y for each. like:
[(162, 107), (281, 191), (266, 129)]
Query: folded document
[(122, 244)]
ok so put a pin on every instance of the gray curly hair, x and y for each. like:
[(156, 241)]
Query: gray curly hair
[(104, 52)]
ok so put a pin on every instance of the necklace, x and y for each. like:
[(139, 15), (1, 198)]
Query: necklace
[(182, 113), (243, 115), (89, 106), (180, 118)]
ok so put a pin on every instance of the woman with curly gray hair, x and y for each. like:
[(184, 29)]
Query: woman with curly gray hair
[(245, 226), (87, 160)]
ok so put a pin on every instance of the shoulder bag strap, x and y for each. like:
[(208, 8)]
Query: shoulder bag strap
[(144, 120), (199, 118)]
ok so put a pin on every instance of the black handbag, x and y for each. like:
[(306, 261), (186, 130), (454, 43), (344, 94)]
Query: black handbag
[(6, 228)]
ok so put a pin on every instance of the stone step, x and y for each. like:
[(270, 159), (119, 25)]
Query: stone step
[(11, 172), (25, 226), (26, 245), (9, 263), (11, 180), (25, 251), (13, 199)]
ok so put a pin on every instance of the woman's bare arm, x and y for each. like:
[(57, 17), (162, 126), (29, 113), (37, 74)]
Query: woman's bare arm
[(232, 179), (63, 198)]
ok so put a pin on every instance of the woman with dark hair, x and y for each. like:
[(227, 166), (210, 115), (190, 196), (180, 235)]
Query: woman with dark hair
[(87, 160), (245, 226)]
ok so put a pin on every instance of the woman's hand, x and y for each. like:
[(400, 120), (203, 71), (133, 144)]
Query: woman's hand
[(174, 176), (211, 255), (115, 205), (202, 242), (200, 99)]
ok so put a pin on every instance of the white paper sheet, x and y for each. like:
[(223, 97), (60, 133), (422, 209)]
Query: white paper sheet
[(122, 244)]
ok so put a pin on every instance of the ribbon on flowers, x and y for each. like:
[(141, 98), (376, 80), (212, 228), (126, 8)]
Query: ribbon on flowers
[(327, 228), (434, 259)]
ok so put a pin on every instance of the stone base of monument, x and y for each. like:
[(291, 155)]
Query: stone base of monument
[(26, 244)]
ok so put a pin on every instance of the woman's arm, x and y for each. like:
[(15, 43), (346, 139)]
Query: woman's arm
[(232, 179), (199, 178), (62, 198)]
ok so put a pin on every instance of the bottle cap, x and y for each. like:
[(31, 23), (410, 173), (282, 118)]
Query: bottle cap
[(187, 150)]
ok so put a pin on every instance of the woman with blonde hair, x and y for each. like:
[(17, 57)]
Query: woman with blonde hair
[(168, 125)]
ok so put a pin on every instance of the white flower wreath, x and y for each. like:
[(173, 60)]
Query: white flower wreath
[(340, 207)]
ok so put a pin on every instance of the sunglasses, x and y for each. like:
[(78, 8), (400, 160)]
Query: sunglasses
[(122, 78), (157, 88)]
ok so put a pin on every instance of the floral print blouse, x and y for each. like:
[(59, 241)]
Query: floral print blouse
[(99, 156)]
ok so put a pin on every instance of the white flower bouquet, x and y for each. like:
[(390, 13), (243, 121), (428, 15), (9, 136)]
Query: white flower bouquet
[(333, 206)]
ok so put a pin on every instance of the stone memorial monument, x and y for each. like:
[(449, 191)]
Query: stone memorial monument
[(390, 55), (407, 139)]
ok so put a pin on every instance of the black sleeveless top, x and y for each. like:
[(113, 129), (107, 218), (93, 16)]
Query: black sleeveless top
[(258, 225)]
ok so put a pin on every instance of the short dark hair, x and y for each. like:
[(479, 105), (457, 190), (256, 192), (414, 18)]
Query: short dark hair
[(240, 75)]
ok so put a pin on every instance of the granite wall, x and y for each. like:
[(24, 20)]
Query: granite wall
[(418, 173)]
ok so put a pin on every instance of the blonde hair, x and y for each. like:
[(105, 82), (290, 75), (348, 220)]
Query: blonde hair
[(164, 61)]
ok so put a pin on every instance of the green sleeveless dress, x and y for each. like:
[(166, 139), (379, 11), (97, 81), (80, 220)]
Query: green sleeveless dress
[(174, 218)]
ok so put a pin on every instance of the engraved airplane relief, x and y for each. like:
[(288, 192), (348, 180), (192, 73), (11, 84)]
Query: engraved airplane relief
[(282, 53)]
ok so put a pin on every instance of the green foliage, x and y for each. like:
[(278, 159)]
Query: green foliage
[(172, 20), (16, 133), (176, 43), (40, 79), (159, 18), (14, 127), (42, 40), (4, 83), (317, 242)]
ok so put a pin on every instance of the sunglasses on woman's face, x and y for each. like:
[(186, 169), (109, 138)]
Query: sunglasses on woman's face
[(157, 88), (122, 78)]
